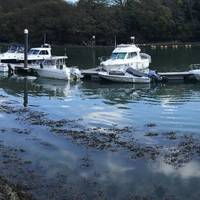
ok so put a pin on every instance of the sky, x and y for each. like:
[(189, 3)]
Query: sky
[(72, 1)]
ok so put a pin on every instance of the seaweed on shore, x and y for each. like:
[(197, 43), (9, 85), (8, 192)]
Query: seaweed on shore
[(113, 138)]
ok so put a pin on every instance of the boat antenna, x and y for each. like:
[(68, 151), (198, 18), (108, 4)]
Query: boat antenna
[(133, 39), (45, 38), (115, 40)]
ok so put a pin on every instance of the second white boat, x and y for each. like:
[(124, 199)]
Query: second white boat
[(54, 67)]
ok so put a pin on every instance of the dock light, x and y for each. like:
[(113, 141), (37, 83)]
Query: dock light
[(25, 31)]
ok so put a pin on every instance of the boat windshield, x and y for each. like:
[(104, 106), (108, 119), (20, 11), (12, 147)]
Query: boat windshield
[(13, 49), (115, 56), (132, 55), (33, 52)]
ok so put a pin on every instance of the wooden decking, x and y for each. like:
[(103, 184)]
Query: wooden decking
[(175, 76), (89, 73)]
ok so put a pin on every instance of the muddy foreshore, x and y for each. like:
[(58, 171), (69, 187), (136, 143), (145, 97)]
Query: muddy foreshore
[(176, 150)]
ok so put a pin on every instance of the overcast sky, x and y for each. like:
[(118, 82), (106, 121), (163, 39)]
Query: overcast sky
[(71, 1)]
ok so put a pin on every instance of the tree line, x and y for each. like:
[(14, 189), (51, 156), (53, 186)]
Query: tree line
[(66, 23)]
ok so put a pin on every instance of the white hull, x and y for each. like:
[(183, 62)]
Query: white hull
[(140, 67), (54, 73), (11, 57), (124, 78)]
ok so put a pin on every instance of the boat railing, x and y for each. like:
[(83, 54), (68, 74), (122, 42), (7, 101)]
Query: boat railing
[(46, 46), (145, 56)]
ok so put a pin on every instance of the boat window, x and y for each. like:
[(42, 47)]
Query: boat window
[(33, 52), (13, 49), (20, 50), (44, 52), (118, 56), (114, 56), (131, 55)]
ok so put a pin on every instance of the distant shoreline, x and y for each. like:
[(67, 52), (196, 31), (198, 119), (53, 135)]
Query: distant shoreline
[(156, 44), (152, 45)]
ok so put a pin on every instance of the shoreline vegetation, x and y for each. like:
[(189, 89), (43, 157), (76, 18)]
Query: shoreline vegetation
[(62, 22), (150, 45)]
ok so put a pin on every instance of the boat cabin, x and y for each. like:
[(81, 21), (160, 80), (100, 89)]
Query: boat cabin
[(57, 62), (125, 51), (44, 51)]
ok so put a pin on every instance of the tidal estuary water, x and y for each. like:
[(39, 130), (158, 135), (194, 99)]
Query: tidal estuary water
[(91, 140)]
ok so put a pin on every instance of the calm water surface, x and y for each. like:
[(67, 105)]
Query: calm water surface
[(65, 169)]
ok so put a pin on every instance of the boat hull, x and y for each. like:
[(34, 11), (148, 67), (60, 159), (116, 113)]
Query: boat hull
[(54, 73), (10, 61), (124, 78), (143, 68)]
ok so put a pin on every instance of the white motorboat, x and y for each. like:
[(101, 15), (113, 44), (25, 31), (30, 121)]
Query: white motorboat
[(14, 53), (54, 67), (126, 56), (38, 54), (128, 76)]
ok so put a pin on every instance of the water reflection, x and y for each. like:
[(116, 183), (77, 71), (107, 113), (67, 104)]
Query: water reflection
[(169, 106), (114, 93), (53, 87), (18, 85), (189, 170), (25, 93), (150, 93), (113, 173)]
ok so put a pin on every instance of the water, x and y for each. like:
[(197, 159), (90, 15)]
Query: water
[(64, 167)]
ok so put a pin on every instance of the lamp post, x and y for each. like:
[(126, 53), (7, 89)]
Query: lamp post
[(26, 48)]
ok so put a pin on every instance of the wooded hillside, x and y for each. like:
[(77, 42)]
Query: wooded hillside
[(149, 21)]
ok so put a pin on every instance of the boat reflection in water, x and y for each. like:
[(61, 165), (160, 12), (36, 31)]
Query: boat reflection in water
[(110, 93), (15, 85), (114, 92), (29, 86), (53, 87)]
